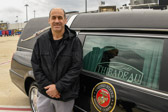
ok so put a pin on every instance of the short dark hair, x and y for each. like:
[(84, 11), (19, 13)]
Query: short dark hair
[(58, 8)]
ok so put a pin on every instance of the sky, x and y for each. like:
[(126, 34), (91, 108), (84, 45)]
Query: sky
[(13, 10)]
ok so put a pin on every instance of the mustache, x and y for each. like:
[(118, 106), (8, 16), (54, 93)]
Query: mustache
[(56, 23)]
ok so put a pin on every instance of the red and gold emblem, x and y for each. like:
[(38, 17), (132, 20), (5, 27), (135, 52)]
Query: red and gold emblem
[(104, 97)]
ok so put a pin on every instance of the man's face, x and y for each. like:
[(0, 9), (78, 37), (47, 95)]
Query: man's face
[(57, 20)]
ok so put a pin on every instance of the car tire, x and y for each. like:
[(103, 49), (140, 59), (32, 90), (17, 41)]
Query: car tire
[(33, 92)]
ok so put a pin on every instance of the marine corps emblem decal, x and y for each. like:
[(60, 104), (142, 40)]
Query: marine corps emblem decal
[(104, 97)]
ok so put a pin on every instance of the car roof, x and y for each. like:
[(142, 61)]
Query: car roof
[(124, 20)]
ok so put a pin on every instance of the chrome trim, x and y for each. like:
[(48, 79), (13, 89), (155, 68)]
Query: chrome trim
[(35, 34), (80, 108), (24, 48), (16, 73), (141, 89), (71, 20), (133, 29), (127, 34)]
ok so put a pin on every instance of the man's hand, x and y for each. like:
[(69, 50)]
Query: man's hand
[(52, 91)]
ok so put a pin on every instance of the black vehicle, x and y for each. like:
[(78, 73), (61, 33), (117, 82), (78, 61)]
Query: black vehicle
[(125, 50)]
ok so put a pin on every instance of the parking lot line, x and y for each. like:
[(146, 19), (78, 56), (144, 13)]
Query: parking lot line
[(15, 109), (5, 62)]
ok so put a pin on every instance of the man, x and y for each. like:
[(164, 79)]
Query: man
[(57, 62)]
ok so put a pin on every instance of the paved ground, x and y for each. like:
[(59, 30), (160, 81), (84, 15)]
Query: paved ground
[(10, 96)]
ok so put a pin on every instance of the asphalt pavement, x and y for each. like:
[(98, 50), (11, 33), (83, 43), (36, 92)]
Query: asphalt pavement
[(11, 98)]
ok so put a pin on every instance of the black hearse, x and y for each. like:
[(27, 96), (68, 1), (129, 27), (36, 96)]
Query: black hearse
[(124, 62)]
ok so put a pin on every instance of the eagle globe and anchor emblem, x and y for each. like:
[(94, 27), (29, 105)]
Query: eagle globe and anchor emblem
[(104, 97)]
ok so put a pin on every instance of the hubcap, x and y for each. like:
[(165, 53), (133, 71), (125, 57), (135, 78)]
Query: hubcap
[(33, 98)]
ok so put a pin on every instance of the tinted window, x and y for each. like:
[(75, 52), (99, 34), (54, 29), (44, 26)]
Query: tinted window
[(131, 59)]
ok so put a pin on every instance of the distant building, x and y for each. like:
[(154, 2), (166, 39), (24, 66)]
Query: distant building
[(3, 26), (137, 2), (18, 26), (8, 26), (107, 8), (149, 4)]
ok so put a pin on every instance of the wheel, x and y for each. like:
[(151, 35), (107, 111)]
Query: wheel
[(33, 96)]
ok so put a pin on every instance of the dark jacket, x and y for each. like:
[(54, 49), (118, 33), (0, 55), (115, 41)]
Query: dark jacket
[(63, 69)]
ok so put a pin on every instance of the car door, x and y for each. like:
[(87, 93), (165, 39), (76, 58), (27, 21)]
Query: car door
[(131, 63)]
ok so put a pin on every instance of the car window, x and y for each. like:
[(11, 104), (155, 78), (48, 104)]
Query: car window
[(131, 59)]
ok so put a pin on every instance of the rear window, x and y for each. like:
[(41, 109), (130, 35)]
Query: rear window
[(131, 59)]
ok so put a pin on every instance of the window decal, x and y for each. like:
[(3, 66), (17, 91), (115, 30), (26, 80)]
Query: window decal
[(120, 71)]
